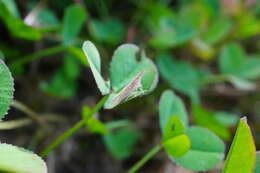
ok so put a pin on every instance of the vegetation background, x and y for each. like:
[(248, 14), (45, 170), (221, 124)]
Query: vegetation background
[(207, 51)]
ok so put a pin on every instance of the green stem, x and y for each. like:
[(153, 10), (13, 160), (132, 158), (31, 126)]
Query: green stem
[(146, 158), (39, 54), (73, 129), (216, 79)]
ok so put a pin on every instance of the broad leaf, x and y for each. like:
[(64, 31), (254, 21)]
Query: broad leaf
[(130, 78), (241, 157), (181, 76), (94, 61), (6, 88), (171, 105), (121, 141), (207, 119), (73, 21), (233, 61), (206, 151), (19, 160), (109, 30)]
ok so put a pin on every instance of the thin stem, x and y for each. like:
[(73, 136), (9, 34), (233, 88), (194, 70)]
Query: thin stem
[(29, 112), (216, 79), (39, 54), (73, 129), (146, 158)]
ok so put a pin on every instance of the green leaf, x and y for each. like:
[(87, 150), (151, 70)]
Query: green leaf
[(65, 76), (94, 61), (46, 19), (174, 141), (73, 21), (181, 76), (207, 150), (226, 118), (177, 146), (174, 127), (207, 119), (121, 141), (19, 160), (171, 34), (17, 27), (257, 168), (130, 78), (217, 30), (241, 157), (109, 30), (6, 88), (12, 8), (234, 61), (171, 105), (96, 126)]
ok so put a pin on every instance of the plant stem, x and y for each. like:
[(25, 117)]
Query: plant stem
[(216, 79), (39, 54), (73, 129), (146, 158)]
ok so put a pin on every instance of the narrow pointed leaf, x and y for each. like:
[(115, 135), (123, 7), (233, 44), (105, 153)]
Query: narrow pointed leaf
[(94, 61), (241, 157)]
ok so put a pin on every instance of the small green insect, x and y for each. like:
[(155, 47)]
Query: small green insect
[(6, 89)]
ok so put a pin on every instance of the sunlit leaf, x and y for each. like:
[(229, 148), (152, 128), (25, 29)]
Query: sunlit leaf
[(19, 160), (206, 151), (6, 88), (177, 146), (241, 157)]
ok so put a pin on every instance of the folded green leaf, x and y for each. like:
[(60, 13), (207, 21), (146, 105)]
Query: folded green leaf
[(19, 160), (174, 127), (94, 61), (177, 146), (206, 151), (242, 154), (6, 88), (171, 105), (130, 78)]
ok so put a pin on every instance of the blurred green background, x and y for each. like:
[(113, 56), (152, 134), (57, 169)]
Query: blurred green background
[(207, 51)]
